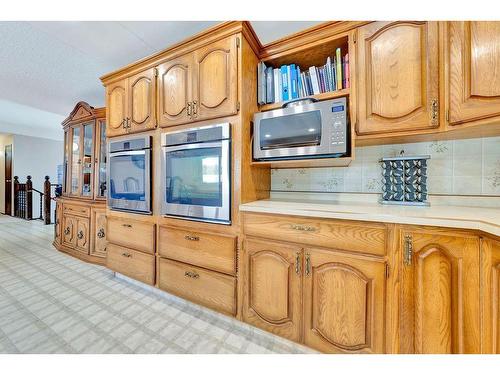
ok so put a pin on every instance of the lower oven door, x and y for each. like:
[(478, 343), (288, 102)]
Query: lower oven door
[(129, 181), (196, 181)]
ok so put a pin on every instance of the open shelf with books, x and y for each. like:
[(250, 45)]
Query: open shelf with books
[(320, 70)]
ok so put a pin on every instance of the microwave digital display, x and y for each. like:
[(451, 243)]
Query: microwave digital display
[(338, 108)]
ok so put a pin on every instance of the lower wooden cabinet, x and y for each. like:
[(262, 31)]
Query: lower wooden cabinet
[(69, 231), (273, 293), (344, 299), (212, 289), (132, 263), (490, 303), (83, 235), (331, 301), (58, 224), (99, 241), (439, 292)]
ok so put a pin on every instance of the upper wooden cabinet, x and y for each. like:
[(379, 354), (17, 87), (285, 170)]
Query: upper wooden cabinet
[(344, 299), (85, 153), (440, 293), (216, 86), (131, 104), (175, 89), (398, 77), (474, 71)]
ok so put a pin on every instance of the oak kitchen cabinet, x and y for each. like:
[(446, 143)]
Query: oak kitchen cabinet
[(490, 303), (199, 85), (474, 71), (98, 246), (397, 77), (439, 292), (131, 104)]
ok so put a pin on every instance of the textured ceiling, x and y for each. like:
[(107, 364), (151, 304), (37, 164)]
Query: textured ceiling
[(46, 67)]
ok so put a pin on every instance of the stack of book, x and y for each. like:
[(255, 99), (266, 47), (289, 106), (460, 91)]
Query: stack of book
[(289, 82)]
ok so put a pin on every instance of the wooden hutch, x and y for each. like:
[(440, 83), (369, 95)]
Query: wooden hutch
[(80, 228)]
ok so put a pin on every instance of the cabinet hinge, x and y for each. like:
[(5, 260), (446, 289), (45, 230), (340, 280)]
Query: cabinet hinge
[(386, 271), (238, 106), (238, 42)]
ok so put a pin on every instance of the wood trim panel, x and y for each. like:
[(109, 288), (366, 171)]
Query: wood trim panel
[(490, 296)]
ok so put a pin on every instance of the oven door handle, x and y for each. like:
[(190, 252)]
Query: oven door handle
[(192, 146), (127, 153)]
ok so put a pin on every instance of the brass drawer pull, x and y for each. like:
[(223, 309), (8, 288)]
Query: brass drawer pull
[(126, 255), (192, 238), (308, 264), (80, 235), (408, 250), (303, 228), (127, 225), (66, 231), (192, 275), (188, 109), (195, 109), (297, 263), (101, 233)]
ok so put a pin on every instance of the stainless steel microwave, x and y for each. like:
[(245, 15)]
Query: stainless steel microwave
[(302, 129)]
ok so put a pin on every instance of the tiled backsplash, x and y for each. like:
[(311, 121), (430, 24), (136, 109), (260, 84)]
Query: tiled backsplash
[(459, 167)]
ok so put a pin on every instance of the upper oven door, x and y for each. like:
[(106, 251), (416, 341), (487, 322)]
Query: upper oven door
[(196, 181), (289, 132), (129, 180)]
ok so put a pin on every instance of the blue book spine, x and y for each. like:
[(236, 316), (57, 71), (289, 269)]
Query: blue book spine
[(284, 89), (299, 82), (295, 89)]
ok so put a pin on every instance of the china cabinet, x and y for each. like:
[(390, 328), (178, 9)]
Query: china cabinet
[(81, 229)]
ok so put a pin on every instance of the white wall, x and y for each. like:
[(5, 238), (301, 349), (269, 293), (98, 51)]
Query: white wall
[(37, 157), (5, 139)]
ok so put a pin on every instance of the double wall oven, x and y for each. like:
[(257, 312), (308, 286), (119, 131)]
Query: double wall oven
[(129, 176), (196, 173)]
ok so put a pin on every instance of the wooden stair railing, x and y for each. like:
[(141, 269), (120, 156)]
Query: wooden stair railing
[(23, 199)]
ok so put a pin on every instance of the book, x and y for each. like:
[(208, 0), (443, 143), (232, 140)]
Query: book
[(284, 83), (321, 77), (269, 85), (261, 83), (299, 82), (339, 69), (277, 88), (346, 71), (289, 77), (293, 81), (314, 80), (334, 73), (327, 77)]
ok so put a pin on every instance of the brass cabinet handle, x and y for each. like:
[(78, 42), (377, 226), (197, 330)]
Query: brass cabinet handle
[(101, 233), (66, 231), (123, 124), (192, 238), (188, 109), (192, 275), (297, 263), (127, 225), (308, 264), (57, 221), (195, 108), (303, 228), (408, 250), (434, 110), (128, 122), (80, 235), (126, 255)]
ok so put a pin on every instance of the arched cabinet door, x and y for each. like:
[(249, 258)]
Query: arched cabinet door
[(343, 302), (440, 293), (141, 97), (398, 77), (175, 91), (273, 287), (116, 108), (216, 86), (474, 71)]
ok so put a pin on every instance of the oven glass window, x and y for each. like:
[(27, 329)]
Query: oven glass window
[(193, 177), (127, 177), (297, 130)]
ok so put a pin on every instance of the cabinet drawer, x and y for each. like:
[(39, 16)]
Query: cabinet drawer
[(214, 251), (76, 209), (133, 234), (363, 237), (208, 288), (134, 264)]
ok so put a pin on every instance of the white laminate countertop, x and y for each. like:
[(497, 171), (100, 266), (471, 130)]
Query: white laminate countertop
[(478, 218)]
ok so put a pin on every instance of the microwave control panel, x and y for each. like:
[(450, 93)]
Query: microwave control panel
[(338, 123)]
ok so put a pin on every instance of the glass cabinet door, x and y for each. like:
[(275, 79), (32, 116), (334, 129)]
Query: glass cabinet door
[(65, 180), (87, 162), (75, 160), (101, 161)]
